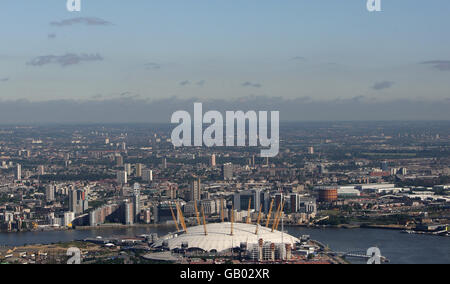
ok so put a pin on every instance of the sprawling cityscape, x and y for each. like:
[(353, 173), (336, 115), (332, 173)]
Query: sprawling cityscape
[(249, 134), (220, 204)]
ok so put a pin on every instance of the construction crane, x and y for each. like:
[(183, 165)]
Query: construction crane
[(259, 219), (183, 224), (276, 216), (196, 213), (173, 216), (248, 210), (204, 221), (270, 212)]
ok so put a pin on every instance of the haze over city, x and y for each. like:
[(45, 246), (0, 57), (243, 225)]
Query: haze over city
[(312, 60)]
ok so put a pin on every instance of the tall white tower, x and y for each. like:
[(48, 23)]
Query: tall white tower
[(18, 173)]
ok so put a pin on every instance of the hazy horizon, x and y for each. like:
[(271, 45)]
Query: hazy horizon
[(140, 61), (129, 109)]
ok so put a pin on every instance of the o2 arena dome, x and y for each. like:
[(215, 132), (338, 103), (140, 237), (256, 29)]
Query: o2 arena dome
[(218, 237)]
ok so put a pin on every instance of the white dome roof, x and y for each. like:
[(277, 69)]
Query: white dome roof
[(219, 237)]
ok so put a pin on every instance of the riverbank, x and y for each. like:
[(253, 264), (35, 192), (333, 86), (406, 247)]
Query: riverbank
[(352, 226), (172, 226), (341, 226), (397, 247), (122, 226)]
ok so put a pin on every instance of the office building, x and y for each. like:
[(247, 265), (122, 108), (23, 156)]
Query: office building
[(68, 218), (294, 202), (209, 207), (279, 198), (104, 213), (241, 200), (78, 201), (307, 205), (129, 213), (147, 175), (163, 214), (122, 177), (18, 172), (136, 203), (50, 192), (127, 168), (227, 170), (138, 170), (196, 190)]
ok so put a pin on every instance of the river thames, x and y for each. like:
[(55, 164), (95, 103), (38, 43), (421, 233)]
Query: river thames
[(396, 246)]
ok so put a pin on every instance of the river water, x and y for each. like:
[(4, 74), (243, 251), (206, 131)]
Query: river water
[(396, 246)]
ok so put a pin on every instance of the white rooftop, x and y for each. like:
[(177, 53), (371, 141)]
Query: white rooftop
[(219, 237)]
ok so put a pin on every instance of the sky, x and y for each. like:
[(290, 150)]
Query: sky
[(319, 51)]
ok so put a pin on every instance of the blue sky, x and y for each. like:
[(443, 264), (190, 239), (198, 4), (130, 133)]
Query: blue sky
[(210, 49)]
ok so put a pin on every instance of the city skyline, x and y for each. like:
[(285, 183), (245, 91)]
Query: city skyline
[(255, 132), (70, 185)]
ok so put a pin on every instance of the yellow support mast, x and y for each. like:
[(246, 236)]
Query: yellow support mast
[(275, 220), (270, 213), (183, 224), (174, 218), (280, 215), (196, 213), (259, 219), (248, 210), (204, 221)]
